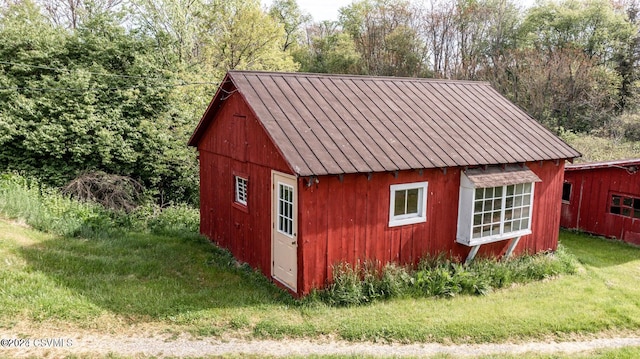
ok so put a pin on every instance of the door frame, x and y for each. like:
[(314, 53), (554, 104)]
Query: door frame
[(292, 181)]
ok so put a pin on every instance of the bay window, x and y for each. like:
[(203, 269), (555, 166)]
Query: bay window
[(495, 204)]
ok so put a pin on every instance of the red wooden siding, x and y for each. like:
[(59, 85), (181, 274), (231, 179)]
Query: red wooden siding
[(236, 143), (307, 129), (348, 220), (589, 204)]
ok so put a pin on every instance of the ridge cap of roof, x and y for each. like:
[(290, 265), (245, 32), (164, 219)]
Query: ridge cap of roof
[(360, 77)]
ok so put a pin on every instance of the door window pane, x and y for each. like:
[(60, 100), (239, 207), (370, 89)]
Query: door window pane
[(285, 209)]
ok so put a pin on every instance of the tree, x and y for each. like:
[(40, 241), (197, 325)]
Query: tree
[(209, 38), (578, 45), (288, 13), (178, 26), (564, 89), (487, 29), (590, 25), (440, 35), (71, 13), (92, 99), (387, 37), (327, 50), (627, 61), (242, 36)]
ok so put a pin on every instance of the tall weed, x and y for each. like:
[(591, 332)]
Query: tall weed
[(395, 281), (175, 220), (346, 288), (365, 283), (440, 276), (48, 210)]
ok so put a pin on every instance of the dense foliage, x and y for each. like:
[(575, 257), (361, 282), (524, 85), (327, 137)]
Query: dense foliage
[(47, 209), (93, 94), (118, 85), (97, 98)]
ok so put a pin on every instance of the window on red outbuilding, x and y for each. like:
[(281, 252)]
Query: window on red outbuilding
[(566, 192), (625, 205)]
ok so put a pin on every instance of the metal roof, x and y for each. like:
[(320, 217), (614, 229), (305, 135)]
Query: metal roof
[(334, 124), (498, 176), (622, 164)]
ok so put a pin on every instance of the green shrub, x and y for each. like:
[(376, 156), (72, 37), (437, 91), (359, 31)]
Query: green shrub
[(435, 282), (594, 148), (470, 282)]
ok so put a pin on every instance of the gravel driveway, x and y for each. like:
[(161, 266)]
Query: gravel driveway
[(60, 345)]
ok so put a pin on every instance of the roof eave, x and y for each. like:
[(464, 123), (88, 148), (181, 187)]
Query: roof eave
[(603, 164)]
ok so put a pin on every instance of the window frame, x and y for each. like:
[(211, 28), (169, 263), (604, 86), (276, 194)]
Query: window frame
[(622, 206), (568, 200), (408, 218), (467, 210), (240, 191), (502, 199)]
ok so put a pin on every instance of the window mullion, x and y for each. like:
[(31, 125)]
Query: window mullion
[(502, 208), (406, 201)]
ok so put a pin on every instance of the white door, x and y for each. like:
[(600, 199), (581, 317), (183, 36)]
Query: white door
[(284, 230)]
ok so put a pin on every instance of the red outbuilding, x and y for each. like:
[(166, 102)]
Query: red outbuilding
[(603, 198), (301, 171)]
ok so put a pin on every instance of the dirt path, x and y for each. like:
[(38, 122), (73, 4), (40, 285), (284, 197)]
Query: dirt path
[(60, 344)]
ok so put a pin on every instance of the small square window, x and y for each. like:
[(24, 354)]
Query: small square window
[(241, 190), (408, 204)]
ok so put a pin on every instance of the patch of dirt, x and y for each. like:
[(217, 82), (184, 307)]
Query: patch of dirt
[(19, 223), (49, 343), (18, 238)]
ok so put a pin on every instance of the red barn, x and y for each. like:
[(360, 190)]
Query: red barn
[(603, 198), (301, 171)]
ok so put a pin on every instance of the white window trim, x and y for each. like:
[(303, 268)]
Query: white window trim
[(413, 218), (241, 190), (466, 212)]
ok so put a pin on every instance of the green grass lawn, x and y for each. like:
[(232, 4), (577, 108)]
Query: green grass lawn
[(179, 284)]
